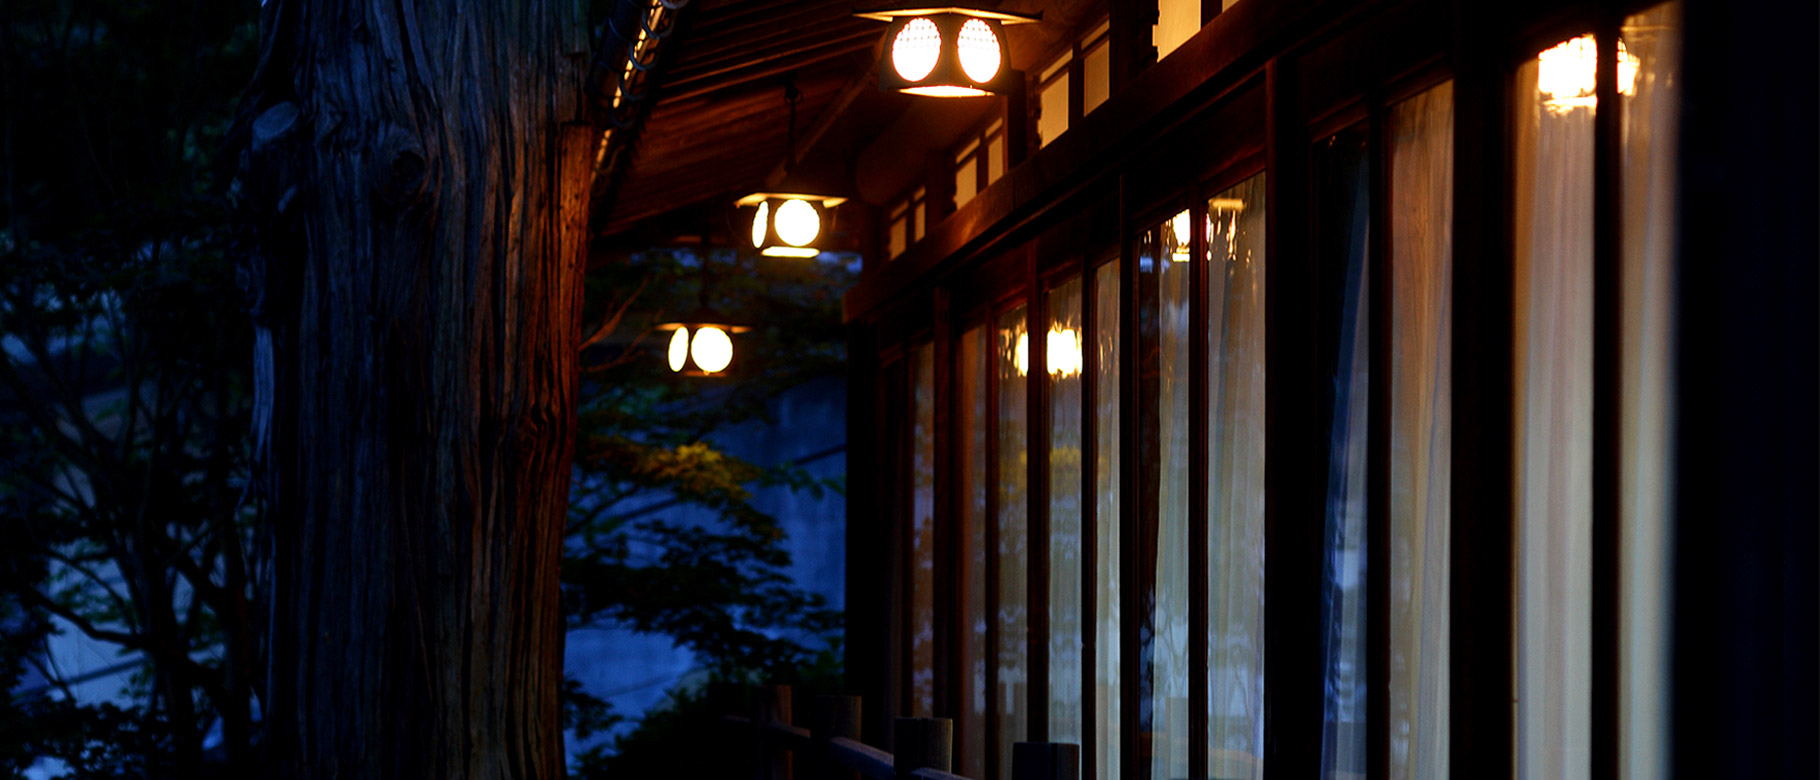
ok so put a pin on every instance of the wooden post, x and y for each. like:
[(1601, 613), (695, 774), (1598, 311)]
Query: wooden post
[(923, 743), (833, 717), (771, 704), (1045, 761)]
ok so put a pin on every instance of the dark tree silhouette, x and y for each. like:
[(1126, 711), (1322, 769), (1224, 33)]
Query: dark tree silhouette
[(418, 186)]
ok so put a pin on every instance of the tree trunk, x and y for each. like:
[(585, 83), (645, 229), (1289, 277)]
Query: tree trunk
[(417, 195)]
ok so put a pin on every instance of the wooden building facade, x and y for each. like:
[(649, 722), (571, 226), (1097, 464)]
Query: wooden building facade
[(1319, 398)]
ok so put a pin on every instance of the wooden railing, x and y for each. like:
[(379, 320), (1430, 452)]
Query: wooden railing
[(760, 718)]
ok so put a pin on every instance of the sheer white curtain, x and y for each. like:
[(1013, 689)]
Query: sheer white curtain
[(1063, 341), (1168, 645), (1235, 479), (1106, 466), (1553, 423), (1013, 529), (922, 535), (1420, 211), (970, 402), (1650, 109)]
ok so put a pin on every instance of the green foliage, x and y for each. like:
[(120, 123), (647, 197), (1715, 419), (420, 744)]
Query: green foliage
[(123, 384), (646, 447)]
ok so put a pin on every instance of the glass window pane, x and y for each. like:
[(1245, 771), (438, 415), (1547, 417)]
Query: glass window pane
[(922, 535), (1235, 479), (1054, 118), (1106, 329), (895, 243), (1420, 132), (916, 223), (1013, 524), (970, 403), (966, 180), (1062, 342), (1553, 396), (1176, 22), (1651, 106), (1096, 72), (995, 158), (1343, 213), (1163, 508)]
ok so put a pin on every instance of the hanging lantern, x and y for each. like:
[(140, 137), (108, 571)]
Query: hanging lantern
[(701, 344), (946, 51), (787, 224)]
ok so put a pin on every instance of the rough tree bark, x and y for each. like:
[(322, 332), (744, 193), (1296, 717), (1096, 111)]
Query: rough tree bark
[(417, 198)]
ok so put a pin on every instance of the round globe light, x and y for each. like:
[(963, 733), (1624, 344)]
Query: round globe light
[(679, 349), (711, 349), (915, 49), (758, 223), (797, 222), (979, 51)]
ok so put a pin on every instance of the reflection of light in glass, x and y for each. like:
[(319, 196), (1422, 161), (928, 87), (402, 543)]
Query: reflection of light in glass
[(1064, 356), (758, 223), (712, 349), (1566, 74), (1225, 204), (797, 222), (1178, 226), (679, 349), (1021, 355), (979, 51), (914, 50)]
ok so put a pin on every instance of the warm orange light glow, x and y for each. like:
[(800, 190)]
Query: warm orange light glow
[(797, 223), (679, 349), (945, 91), (915, 49), (711, 348), (1178, 226), (1567, 73), (1020, 357), (790, 251), (1064, 356), (979, 51)]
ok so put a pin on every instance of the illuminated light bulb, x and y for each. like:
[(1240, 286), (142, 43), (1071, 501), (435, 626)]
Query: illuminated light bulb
[(979, 51), (797, 223), (711, 349), (679, 349), (758, 223), (1179, 225), (1021, 356), (1226, 204), (915, 49), (1064, 356)]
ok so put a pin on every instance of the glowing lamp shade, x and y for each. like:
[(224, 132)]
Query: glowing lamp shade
[(711, 348), (1178, 238), (797, 222), (701, 345), (945, 52), (760, 224), (915, 49), (787, 224), (679, 349)]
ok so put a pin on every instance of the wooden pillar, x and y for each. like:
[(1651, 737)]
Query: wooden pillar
[(923, 743)]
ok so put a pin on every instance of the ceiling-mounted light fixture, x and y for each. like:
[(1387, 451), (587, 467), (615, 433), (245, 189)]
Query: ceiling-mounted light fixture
[(701, 344), (946, 51), (786, 222)]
